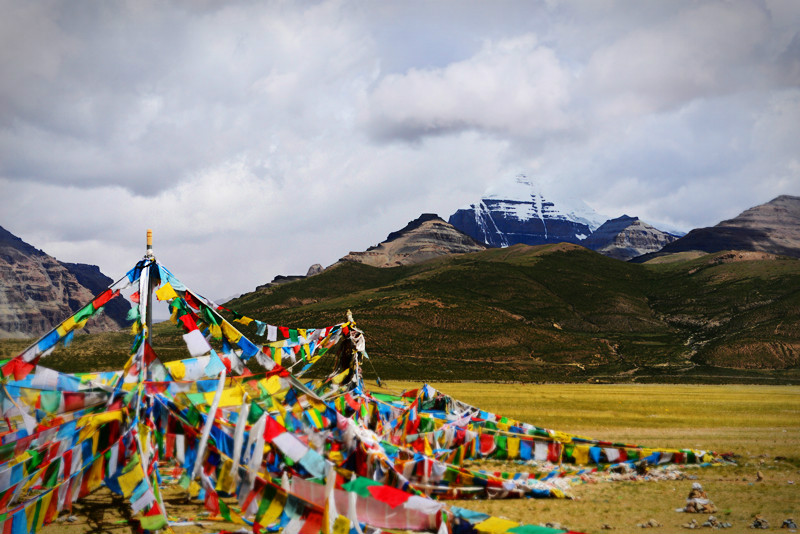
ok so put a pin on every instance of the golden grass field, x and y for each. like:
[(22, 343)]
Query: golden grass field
[(761, 424)]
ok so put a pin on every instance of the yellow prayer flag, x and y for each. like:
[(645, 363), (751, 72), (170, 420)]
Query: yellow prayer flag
[(166, 292), (128, 481), (215, 330), (338, 378), (496, 525), (97, 419), (43, 509), (581, 454), (95, 475), (30, 512), (69, 324), (273, 385), (513, 448), (230, 397), (243, 320), (225, 477), (275, 508), (177, 369), (230, 332), (341, 525)]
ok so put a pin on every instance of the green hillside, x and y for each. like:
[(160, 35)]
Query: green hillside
[(548, 313), (557, 312)]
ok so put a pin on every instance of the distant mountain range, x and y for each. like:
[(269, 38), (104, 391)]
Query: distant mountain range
[(773, 227), (37, 291), (519, 212), (424, 238), (626, 237)]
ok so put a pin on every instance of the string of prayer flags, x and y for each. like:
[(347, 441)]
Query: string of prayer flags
[(346, 459)]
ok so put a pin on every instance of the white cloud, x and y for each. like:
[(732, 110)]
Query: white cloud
[(259, 138), (708, 49), (511, 87)]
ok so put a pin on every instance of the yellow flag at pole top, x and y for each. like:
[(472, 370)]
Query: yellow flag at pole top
[(166, 292)]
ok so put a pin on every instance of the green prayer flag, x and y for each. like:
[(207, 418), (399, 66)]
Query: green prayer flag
[(84, 313), (153, 522), (360, 485), (133, 314), (225, 512), (533, 529)]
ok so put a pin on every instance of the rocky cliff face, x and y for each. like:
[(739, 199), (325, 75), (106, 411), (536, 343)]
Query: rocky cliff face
[(627, 237), (518, 212), (37, 291), (773, 227), (422, 239)]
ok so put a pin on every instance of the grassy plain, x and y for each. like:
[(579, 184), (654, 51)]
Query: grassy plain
[(761, 424)]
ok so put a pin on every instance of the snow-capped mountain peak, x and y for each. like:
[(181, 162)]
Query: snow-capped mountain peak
[(519, 211)]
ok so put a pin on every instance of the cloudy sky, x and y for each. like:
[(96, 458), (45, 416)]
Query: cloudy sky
[(257, 138)]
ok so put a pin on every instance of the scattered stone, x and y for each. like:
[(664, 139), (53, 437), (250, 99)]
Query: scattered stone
[(760, 522), (606, 526), (698, 502), (713, 522), (789, 523), (554, 525), (72, 519), (649, 524), (690, 524), (759, 476)]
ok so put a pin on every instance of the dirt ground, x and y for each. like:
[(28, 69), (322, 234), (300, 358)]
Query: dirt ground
[(760, 424)]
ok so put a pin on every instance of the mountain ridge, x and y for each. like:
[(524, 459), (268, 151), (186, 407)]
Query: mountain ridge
[(772, 227), (627, 237), (37, 291), (557, 312), (426, 237)]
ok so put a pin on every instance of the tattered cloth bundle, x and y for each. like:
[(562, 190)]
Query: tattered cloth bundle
[(236, 419)]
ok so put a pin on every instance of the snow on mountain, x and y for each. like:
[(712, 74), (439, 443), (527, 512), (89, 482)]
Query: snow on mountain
[(519, 211)]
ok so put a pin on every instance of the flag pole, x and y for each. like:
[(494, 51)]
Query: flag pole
[(149, 311)]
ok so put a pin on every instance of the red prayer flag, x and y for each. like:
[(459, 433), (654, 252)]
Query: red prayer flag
[(191, 301), (188, 322), (149, 353), (487, 444), (272, 429), (107, 295), (313, 524), (212, 501), (391, 496), (22, 369)]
